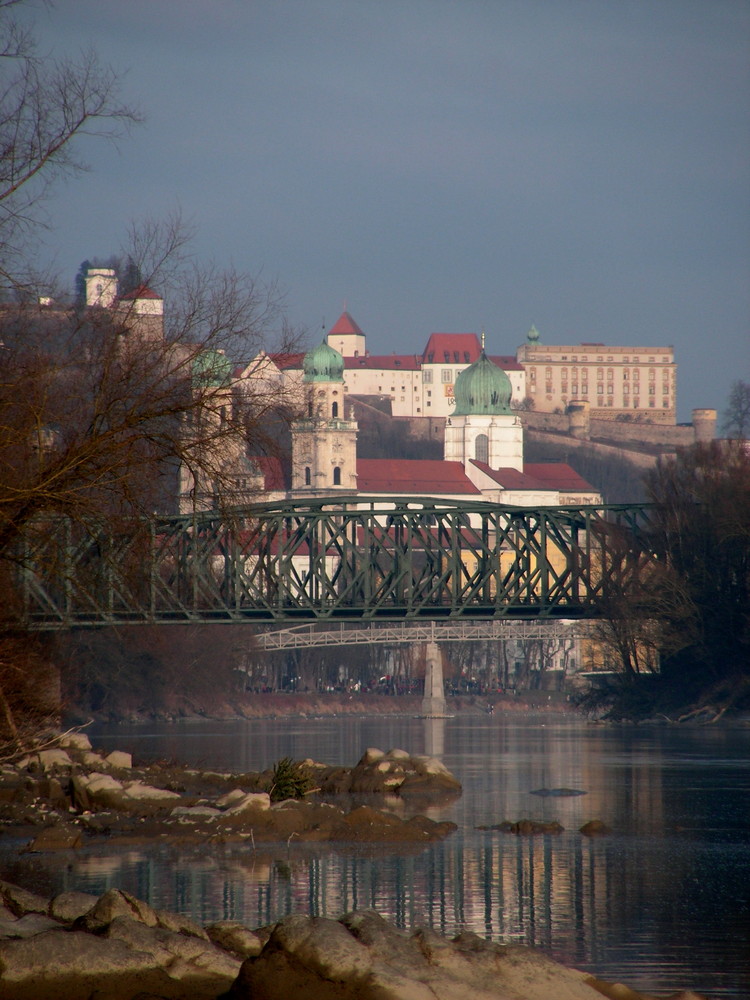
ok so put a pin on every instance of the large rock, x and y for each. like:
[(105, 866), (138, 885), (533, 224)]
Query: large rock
[(116, 903), (234, 937), (69, 906), (362, 957)]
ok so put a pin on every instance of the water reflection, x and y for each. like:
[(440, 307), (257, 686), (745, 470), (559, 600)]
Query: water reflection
[(434, 736), (664, 903)]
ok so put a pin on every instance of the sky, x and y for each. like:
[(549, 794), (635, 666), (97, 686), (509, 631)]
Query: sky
[(441, 165)]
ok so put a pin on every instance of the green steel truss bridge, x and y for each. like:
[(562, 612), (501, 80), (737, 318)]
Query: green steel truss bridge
[(333, 560)]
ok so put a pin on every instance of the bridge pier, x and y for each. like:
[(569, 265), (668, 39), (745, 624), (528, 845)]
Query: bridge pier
[(433, 703)]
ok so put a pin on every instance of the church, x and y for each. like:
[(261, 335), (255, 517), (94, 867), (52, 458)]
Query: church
[(483, 453)]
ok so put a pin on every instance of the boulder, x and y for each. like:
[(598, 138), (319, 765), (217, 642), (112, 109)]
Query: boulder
[(60, 837), (118, 758), (250, 800), (116, 903), (75, 741), (234, 937), (20, 902), (69, 906), (56, 757), (230, 798), (53, 965), (595, 828), (362, 957), (26, 926)]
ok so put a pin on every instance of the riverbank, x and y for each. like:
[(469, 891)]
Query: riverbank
[(313, 704), (78, 945)]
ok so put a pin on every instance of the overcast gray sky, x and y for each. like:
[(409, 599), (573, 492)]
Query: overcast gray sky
[(443, 165)]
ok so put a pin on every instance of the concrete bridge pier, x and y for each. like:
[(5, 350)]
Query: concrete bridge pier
[(433, 703)]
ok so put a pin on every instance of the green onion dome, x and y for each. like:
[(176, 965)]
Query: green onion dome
[(323, 364), (482, 389), (211, 370)]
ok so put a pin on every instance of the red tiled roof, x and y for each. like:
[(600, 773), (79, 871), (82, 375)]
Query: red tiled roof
[(388, 362), (286, 360), (559, 476), (505, 361), (141, 292), (461, 348), (423, 477), (512, 479), (345, 324)]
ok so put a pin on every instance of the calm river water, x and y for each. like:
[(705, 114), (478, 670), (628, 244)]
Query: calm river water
[(662, 904)]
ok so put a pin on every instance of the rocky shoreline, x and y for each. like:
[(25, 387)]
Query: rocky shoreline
[(62, 797), (116, 947)]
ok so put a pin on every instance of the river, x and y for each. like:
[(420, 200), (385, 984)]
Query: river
[(663, 903)]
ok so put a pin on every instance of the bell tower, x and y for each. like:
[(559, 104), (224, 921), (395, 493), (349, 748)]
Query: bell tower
[(324, 441)]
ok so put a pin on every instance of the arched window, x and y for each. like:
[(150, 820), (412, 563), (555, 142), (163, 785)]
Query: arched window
[(482, 448), (307, 475), (335, 410), (337, 475)]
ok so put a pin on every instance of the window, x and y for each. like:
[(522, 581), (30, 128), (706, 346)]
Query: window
[(307, 475), (467, 357), (446, 374), (652, 402), (600, 387), (600, 373), (337, 475), (625, 375), (427, 376), (665, 404), (456, 357), (610, 388), (652, 390), (609, 373), (335, 410), (482, 448), (446, 355), (564, 387), (636, 374), (651, 374)]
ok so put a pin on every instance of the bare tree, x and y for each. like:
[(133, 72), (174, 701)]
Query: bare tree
[(737, 414), (96, 417), (44, 108)]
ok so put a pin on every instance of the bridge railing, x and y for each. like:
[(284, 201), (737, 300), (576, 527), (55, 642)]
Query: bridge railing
[(335, 559)]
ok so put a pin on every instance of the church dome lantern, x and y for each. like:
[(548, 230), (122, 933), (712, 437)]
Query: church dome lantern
[(482, 389), (323, 364)]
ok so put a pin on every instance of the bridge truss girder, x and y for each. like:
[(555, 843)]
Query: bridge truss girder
[(335, 559)]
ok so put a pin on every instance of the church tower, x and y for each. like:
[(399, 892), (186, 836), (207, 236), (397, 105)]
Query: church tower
[(324, 441), (483, 427)]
